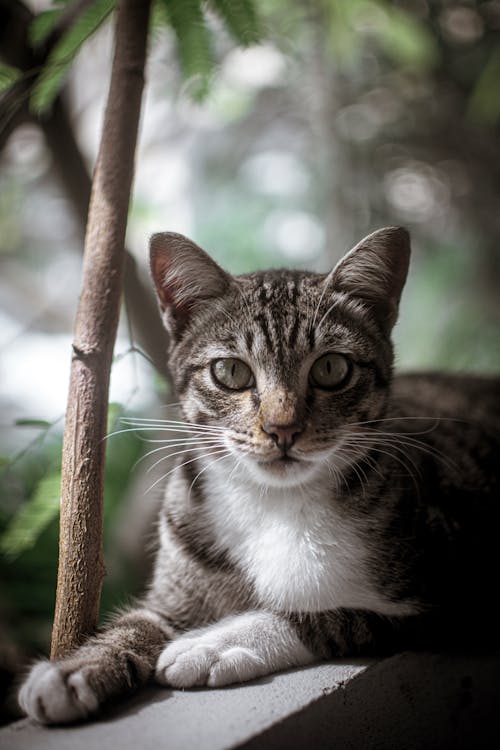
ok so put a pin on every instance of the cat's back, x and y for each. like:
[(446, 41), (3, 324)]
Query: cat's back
[(449, 430), (471, 399)]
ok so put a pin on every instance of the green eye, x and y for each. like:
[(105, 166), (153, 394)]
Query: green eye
[(232, 373), (330, 371)]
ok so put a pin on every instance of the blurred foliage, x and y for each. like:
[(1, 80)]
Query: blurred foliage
[(29, 532), (189, 19), (8, 76), (61, 56)]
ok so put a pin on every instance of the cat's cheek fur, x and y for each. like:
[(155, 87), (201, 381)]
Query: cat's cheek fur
[(51, 696), (236, 649)]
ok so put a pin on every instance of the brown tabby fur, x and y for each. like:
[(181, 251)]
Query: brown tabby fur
[(408, 496)]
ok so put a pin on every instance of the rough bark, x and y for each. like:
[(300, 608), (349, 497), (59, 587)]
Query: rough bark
[(81, 566)]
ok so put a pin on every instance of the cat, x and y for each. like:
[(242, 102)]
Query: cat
[(321, 507)]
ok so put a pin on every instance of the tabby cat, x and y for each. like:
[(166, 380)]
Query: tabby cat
[(320, 507)]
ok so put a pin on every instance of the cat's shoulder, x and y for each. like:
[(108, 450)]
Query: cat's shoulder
[(471, 397)]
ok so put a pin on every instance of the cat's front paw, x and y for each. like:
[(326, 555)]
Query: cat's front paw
[(53, 694), (194, 661)]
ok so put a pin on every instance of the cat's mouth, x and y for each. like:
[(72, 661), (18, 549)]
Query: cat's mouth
[(282, 460), (283, 470), (280, 465)]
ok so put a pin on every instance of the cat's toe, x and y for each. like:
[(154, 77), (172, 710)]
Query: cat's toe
[(235, 664), (52, 696), (189, 663), (185, 665)]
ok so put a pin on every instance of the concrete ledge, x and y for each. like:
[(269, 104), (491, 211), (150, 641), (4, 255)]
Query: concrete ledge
[(407, 701)]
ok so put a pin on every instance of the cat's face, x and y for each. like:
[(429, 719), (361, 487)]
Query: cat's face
[(283, 363)]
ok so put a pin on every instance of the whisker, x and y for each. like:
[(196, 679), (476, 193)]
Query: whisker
[(168, 422), (337, 474), (184, 441), (399, 440), (196, 458), (393, 456), (332, 306), (150, 428), (178, 453), (325, 287), (434, 418), (235, 468), (245, 302), (206, 443), (355, 467), (204, 469)]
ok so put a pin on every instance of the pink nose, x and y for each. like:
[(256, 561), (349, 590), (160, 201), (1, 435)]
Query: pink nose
[(284, 435)]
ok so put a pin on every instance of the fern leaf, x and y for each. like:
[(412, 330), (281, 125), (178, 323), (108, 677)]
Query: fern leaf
[(27, 525), (42, 25), (63, 54), (193, 42), (240, 18)]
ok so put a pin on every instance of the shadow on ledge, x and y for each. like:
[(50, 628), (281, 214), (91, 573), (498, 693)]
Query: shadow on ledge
[(406, 702)]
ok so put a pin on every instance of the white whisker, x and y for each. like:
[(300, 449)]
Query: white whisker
[(168, 422), (323, 292), (205, 443), (196, 458), (209, 465), (179, 453), (151, 428)]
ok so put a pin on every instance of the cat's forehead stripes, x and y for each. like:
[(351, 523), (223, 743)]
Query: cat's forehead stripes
[(292, 314), (281, 304)]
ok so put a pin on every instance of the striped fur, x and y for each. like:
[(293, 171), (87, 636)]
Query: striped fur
[(300, 522)]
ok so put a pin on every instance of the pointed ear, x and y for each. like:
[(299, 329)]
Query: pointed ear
[(375, 271), (184, 276)]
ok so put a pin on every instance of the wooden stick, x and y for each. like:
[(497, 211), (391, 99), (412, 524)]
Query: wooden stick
[(81, 564)]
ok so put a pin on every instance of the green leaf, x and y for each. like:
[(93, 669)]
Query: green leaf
[(193, 42), (400, 35), (407, 41), (115, 411), (40, 423), (8, 76), (42, 26), (59, 61), (27, 525), (240, 18), (484, 103)]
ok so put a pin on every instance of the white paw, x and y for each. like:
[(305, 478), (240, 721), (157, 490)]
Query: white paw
[(189, 662), (52, 696)]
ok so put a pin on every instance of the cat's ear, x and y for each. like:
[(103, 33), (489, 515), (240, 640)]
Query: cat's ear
[(375, 271), (185, 277)]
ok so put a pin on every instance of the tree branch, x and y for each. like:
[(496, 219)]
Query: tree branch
[(81, 566)]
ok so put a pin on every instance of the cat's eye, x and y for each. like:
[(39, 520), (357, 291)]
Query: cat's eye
[(232, 373), (330, 371)]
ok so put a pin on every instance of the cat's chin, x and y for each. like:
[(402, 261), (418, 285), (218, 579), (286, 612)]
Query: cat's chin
[(282, 472)]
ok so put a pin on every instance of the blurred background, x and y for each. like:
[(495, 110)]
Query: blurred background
[(345, 116)]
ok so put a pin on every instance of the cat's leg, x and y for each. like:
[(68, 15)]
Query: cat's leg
[(235, 649), (114, 662)]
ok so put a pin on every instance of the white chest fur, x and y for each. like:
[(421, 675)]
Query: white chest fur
[(298, 552)]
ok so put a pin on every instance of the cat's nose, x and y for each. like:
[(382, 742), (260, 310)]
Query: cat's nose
[(284, 435)]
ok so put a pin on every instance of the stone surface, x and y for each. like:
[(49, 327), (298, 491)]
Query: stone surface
[(407, 702), (201, 719)]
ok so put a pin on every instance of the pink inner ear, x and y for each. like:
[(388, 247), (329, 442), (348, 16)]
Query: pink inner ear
[(161, 260)]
